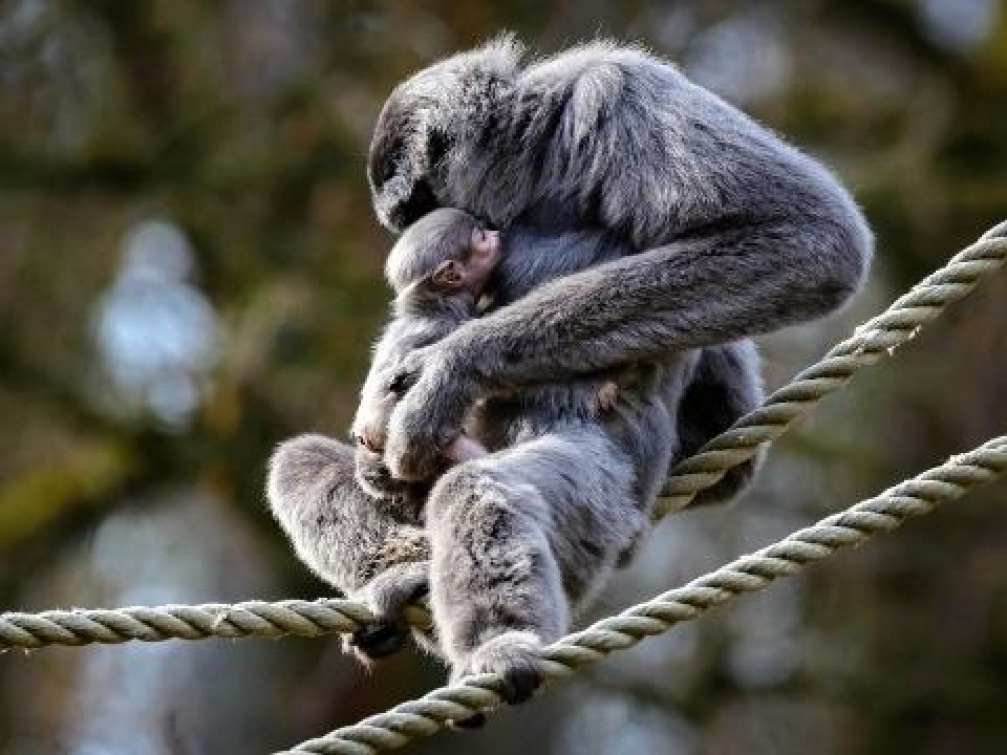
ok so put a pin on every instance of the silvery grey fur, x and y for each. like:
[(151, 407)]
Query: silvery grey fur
[(725, 232)]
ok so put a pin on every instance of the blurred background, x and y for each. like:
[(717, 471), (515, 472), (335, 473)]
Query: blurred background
[(190, 272)]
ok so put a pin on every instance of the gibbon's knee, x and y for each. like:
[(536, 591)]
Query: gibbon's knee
[(339, 531), (306, 463)]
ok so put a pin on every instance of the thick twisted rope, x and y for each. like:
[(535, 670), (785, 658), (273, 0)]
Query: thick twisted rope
[(875, 338), (878, 336), (424, 716), (254, 618)]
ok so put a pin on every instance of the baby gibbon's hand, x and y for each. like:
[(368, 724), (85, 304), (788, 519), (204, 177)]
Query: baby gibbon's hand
[(429, 417), (410, 367)]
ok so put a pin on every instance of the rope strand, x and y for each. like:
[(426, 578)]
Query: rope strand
[(254, 618)]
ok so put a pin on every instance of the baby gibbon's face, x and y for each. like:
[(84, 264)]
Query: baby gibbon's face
[(471, 269), (484, 256)]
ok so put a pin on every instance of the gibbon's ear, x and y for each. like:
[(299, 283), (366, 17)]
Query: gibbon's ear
[(448, 276)]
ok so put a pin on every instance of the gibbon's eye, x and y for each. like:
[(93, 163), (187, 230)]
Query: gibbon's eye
[(399, 384), (437, 148)]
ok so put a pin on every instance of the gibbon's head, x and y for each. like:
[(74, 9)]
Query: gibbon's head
[(446, 251), (423, 117)]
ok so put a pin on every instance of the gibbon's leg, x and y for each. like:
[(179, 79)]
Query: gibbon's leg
[(518, 540), (354, 541), (725, 385)]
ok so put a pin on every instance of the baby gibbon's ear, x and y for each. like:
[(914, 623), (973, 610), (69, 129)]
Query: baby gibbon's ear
[(448, 276)]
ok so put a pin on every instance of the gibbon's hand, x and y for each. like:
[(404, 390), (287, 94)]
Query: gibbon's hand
[(440, 390)]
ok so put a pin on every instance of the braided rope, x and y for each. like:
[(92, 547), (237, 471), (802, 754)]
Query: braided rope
[(254, 618), (876, 337), (897, 324), (426, 715)]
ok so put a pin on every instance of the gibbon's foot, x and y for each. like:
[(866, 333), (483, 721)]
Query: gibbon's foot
[(378, 641), (515, 657), (391, 592), (388, 595)]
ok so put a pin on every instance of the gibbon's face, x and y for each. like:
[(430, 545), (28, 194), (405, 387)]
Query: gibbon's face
[(484, 256), (476, 261), (402, 156)]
